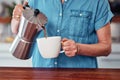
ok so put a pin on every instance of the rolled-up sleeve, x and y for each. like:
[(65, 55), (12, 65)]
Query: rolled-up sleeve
[(103, 14)]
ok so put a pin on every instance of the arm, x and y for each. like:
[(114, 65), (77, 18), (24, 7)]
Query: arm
[(102, 48)]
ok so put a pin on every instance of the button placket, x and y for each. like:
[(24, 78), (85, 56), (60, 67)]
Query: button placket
[(65, 0), (81, 14), (55, 63), (60, 14), (58, 30), (59, 23)]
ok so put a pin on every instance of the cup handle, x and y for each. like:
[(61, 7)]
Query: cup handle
[(62, 51)]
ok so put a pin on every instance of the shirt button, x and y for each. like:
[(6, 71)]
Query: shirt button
[(55, 63), (65, 0), (58, 30), (60, 14), (80, 14)]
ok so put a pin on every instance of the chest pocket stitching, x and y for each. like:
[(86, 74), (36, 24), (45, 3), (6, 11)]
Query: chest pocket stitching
[(81, 13), (81, 19)]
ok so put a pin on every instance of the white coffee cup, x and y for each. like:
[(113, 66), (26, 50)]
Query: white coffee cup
[(49, 47)]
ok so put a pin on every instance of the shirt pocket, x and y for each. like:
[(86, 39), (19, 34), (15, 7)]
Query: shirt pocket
[(79, 23)]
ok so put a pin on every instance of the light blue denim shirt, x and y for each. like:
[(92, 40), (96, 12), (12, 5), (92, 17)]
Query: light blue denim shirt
[(75, 19)]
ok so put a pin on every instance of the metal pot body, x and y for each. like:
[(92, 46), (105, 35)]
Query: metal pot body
[(21, 49), (27, 30), (31, 21)]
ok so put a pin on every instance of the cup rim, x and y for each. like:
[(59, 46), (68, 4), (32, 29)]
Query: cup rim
[(49, 37)]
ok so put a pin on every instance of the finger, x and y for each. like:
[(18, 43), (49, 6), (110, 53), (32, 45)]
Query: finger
[(19, 6), (64, 39), (17, 12), (18, 9), (73, 49), (67, 43), (69, 53), (25, 2), (66, 48)]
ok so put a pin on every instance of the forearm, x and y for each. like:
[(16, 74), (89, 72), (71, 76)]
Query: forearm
[(100, 49)]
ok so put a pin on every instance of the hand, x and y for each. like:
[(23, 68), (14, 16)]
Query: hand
[(17, 12), (69, 46)]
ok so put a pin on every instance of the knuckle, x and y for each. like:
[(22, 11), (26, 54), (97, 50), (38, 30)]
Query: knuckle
[(67, 53), (75, 50)]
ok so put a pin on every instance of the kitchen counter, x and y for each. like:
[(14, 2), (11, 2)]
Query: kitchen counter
[(15, 73)]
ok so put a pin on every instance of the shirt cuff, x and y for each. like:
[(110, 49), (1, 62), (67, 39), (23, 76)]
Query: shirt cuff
[(103, 21)]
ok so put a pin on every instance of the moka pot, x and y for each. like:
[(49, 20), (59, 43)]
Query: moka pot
[(31, 21)]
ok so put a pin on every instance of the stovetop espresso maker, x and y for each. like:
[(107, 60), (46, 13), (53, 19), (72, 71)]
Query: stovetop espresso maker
[(31, 21)]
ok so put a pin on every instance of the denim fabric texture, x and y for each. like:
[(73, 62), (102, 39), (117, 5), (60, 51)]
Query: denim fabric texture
[(74, 19)]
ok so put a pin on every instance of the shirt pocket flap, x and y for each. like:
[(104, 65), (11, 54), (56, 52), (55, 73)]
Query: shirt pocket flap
[(81, 13)]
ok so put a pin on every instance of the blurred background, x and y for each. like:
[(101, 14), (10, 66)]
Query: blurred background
[(6, 37), (6, 9)]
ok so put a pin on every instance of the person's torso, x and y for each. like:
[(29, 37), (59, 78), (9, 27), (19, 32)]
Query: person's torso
[(73, 20)]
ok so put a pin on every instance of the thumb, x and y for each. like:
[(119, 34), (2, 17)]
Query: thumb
[(64, 39), (25, 3)]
